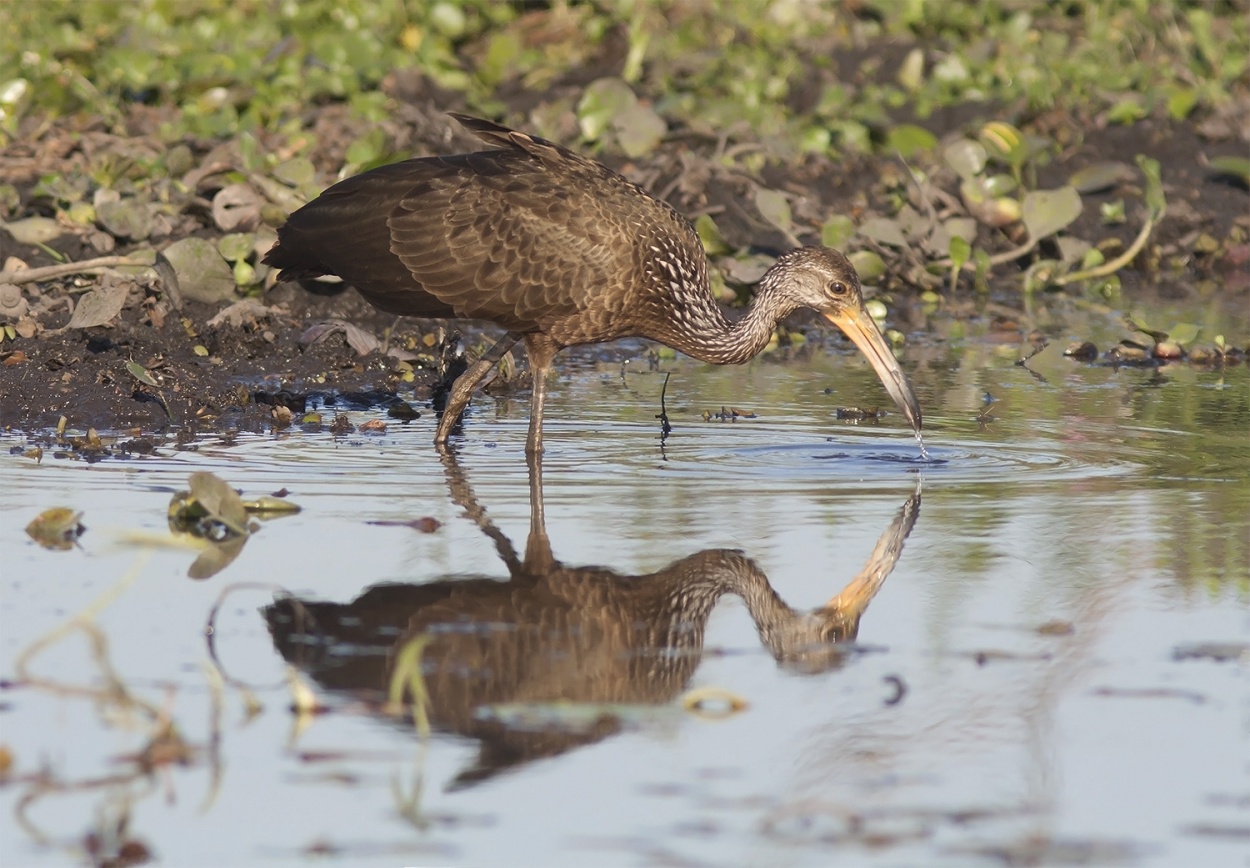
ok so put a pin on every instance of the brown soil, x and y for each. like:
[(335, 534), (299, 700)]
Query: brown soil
[(230, 375)]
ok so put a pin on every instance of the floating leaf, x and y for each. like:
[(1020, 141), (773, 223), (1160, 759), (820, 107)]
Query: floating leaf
[(211, 510), (57, 528), (1184, 333), (267, 504), (1046, 212), (215, 557)]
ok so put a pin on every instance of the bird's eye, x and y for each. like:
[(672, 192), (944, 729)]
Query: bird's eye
[(837, 288)]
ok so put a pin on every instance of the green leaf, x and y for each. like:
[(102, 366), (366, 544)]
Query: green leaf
[(911, 71), (883, 230), (1184, 333), (837, 230), (1046, 212), (296, 171), (140, 373), (1004, 142), (714, 243), (1233, 167), (960, 252), (1104, 175), (603, 100), (868, 265), (638, 130), (236, 246), (910, 139), (1181, 102), (774, 207), (1155, 199), (1127, 110)]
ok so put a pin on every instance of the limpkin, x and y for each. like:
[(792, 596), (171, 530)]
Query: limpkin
[(555, 632), (560, 251)]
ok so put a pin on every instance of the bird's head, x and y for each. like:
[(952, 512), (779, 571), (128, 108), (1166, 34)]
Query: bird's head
[(823, 279)]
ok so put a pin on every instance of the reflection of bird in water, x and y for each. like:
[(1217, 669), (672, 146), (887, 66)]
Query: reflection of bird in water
[(560, 251), (557, 633)]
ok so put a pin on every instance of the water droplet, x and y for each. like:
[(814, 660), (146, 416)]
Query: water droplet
[(924, 453)]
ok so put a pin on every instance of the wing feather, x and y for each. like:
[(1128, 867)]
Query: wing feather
[(517, 246)]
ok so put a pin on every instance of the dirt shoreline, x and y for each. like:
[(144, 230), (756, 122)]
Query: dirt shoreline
[(155, 367)]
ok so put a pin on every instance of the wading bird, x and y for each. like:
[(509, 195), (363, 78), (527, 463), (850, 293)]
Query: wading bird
[(560, 251)]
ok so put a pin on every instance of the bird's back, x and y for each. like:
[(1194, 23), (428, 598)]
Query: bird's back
[(530, 236)]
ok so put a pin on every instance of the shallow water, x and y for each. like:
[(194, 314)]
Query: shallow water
[(1032, 683)]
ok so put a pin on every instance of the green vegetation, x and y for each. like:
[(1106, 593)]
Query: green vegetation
[(818, 76), (297, 91)]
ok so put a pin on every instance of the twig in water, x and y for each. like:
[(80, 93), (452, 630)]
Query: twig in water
[(665, 427)]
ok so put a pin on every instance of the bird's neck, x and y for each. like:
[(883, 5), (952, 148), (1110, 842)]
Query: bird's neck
[(722, 342)]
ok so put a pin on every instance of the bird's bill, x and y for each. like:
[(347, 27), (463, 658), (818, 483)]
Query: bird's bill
[(857, 325)]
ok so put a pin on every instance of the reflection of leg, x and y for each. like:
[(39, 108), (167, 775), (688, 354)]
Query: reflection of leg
[(539, 561), (462, 495), (541, 350), (467, 383)]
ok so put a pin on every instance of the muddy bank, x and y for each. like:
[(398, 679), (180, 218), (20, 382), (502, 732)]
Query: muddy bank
[(156, 364)]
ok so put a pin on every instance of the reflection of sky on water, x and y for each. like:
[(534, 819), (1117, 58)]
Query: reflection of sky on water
[(1087, 501)]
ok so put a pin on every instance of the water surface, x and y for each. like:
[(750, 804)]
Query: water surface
[(1053, 670)]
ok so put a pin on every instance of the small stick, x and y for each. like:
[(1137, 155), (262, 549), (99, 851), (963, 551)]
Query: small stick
[(30, 275), (665, 427)]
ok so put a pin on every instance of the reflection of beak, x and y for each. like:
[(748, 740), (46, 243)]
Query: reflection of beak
[(860, 328)]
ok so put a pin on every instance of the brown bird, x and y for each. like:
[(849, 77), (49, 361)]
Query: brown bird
[(560, 251)]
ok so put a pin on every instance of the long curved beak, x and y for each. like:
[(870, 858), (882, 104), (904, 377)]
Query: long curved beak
[(859, 327)]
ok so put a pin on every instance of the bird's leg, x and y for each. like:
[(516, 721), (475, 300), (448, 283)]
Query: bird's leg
[(541, 350), (462, 390)]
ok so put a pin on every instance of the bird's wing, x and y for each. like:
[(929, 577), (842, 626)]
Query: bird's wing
[(499, 235)]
